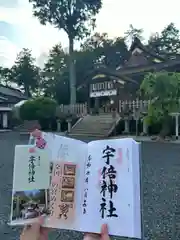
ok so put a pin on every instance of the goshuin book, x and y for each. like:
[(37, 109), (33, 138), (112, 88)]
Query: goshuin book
[(78, 186)]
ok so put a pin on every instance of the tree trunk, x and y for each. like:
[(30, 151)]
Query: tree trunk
[(27, 91), (72, 72)]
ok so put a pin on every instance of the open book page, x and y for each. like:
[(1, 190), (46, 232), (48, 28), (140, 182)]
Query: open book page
[(69, 156), (136, 166), (110, 189), (49, 186)]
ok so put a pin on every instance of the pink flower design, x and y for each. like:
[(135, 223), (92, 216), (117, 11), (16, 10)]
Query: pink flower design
[(31, 150), (36, 133), (99, 177), (120, 156), (40, 143)]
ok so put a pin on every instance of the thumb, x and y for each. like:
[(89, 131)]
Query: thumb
[(37, 225), (104, 232)]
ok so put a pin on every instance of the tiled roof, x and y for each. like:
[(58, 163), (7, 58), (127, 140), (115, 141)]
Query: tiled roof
[(11, 92), (138, 44)]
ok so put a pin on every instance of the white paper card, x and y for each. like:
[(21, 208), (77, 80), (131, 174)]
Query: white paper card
[(31, 169)]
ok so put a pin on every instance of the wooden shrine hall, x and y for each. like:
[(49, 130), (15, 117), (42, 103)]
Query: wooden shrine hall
[(107, 86)]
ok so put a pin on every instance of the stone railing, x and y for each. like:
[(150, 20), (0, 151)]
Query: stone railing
[(133, 105), (79, 109)]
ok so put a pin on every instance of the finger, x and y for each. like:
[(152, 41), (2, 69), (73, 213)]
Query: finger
[(41, 220), (44, 232), (91, 236), (26, 228), (104, 232), (37, 225)]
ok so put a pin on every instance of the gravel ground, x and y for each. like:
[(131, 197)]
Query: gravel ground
[(160, 184)]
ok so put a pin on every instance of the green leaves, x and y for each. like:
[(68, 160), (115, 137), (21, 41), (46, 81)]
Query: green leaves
[(163, 89), (55, 75), (5, 76), (38, 109), (75, 17), (167, 43), (133, 33), (25, 73), (106, 51)]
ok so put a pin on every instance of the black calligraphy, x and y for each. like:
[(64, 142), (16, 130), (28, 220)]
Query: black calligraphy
[(32, 171), (108, 153), (87, 173), (108, 184), (33, 163)]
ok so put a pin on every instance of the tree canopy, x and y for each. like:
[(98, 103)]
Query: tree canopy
[(25, 73), (75, 17), (53, 79), (163, 89), (167, 42), (133, 33), (42, 109)]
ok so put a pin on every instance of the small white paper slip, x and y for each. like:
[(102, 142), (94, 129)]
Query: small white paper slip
[(31, 168)]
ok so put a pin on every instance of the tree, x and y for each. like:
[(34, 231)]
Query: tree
[(133, 33), (97, 48), (54, 81), (25, 73), (75, 17), (167, 42), (163, 89), (42, 109), (106, 51), (5, 76)]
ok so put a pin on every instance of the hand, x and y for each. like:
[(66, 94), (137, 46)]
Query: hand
[(102, 236), (35, 231)]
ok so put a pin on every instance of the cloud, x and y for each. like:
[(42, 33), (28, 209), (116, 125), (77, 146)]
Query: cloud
[(114, 18), (9, 3), (21, 29), (8, 52)]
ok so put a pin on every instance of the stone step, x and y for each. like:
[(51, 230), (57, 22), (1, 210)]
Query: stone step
[(99, 119), (99, 125), (85, 123), (91, 132), (93, 127), (94, 122), (86, 135)]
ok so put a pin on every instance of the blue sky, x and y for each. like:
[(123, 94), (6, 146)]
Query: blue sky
[(114, 18)]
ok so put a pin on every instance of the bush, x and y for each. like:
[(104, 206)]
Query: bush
[(42, 109)]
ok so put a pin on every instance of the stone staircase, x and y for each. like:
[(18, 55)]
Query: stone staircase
[(94, 126)]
